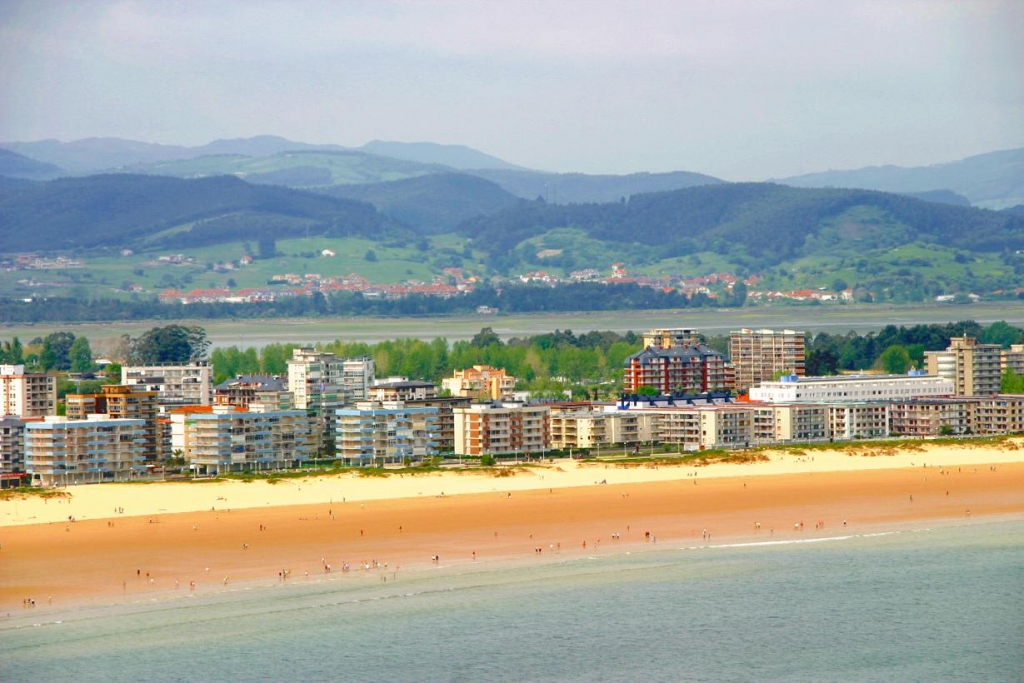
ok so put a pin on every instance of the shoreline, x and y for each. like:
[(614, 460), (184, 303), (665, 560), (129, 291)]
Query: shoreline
[(385, 528)]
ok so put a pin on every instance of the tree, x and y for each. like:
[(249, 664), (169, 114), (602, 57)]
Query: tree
[(370, 256), (12, 352), (81, 355), (1012, 382), (170, 344), (485, 337), (895, 360), (56, 354)]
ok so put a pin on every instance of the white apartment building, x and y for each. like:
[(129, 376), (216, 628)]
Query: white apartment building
[(792, 389), (189, 384), (27, 394), (384, 432), (61, 452), (783, 422), (226, 438)]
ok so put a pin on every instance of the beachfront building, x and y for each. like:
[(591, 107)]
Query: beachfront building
[(758, 356), (12, 452), (189, 384), (793, 388), (62, 452), (224, 438), (671, 338), (401, 389), (786, 422), (998, 414), (974, 368), (120, 401), (700, 427), (858, 420), (27, 394), (444, 423), (385, 432), (592, 425), (501, 429), (687, 369), (357, 376), (315, 379), (931, 417), (480, 382), (243, 390)]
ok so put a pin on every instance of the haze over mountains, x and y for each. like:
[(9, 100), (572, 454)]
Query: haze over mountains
[(994, 180)]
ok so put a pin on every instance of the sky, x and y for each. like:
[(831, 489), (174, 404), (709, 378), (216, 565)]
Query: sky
[(742, 90)]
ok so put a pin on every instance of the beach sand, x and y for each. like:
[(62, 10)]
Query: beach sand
[(176, 538)]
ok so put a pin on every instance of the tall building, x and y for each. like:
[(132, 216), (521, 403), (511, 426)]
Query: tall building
[(481, 382), (27, 394), (671, 338), (687, 369), (375, 432), (120, 401), (974, 368), (190, 384), (501, 429), (761, 355), (357, 376), (60, 452), (315, 379)]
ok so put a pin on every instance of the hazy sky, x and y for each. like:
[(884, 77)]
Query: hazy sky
[(742, 90)]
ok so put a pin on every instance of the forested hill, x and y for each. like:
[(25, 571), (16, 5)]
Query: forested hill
[(579, 188), (131, 210), (757, 223), (434, 203)]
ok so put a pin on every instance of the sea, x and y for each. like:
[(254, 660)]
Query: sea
[(942, 603)]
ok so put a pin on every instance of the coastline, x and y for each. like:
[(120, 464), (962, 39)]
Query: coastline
[(222, 534)]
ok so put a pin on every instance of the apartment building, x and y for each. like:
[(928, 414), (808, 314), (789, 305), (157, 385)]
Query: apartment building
[(758, 356), (385, 432), (12, 452), (357, 376), (793, 388), (481, 382), (974, 368), (121, 401), (591, 425), (444, 426), (859, 420), (224, 438), (931, 417), (785, 422), (190, 384), (62, 452), (998, 414), (243, 390), (501, 429), (671, 338), (689, 369), (402, 389), (31, 394)]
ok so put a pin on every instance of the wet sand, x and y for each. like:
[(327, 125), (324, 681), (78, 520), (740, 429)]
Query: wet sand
[(112, 557)]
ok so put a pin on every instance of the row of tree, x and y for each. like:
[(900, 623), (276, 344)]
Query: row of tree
[(548, 364)]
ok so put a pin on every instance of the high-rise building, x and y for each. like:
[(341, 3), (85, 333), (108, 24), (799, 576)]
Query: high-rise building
[(29, 394), (762, 355), (687, 369), (974, 368)]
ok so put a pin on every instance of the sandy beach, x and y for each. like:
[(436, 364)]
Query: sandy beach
[(115, 543)]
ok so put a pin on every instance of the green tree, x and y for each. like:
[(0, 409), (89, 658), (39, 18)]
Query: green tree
[(1002, 333), (485, 337), (56, 353), (170, 344), (12, 352), (1012, 383), (81, 355), (895, 360)]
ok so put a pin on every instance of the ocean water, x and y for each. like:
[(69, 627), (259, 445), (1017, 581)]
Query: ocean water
[(939, 604)]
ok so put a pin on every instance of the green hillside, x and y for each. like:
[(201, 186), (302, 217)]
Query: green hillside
[(130, 211), (577, 188), (431, 204)]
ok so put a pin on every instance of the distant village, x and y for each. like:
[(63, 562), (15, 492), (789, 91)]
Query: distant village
[(679, 395)]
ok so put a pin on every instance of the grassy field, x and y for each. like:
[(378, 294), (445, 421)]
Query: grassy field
[(838, 319)]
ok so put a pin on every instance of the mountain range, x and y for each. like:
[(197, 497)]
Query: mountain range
[(994, 180)]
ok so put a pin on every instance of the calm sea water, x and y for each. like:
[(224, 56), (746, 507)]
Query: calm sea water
[(940, 604)]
